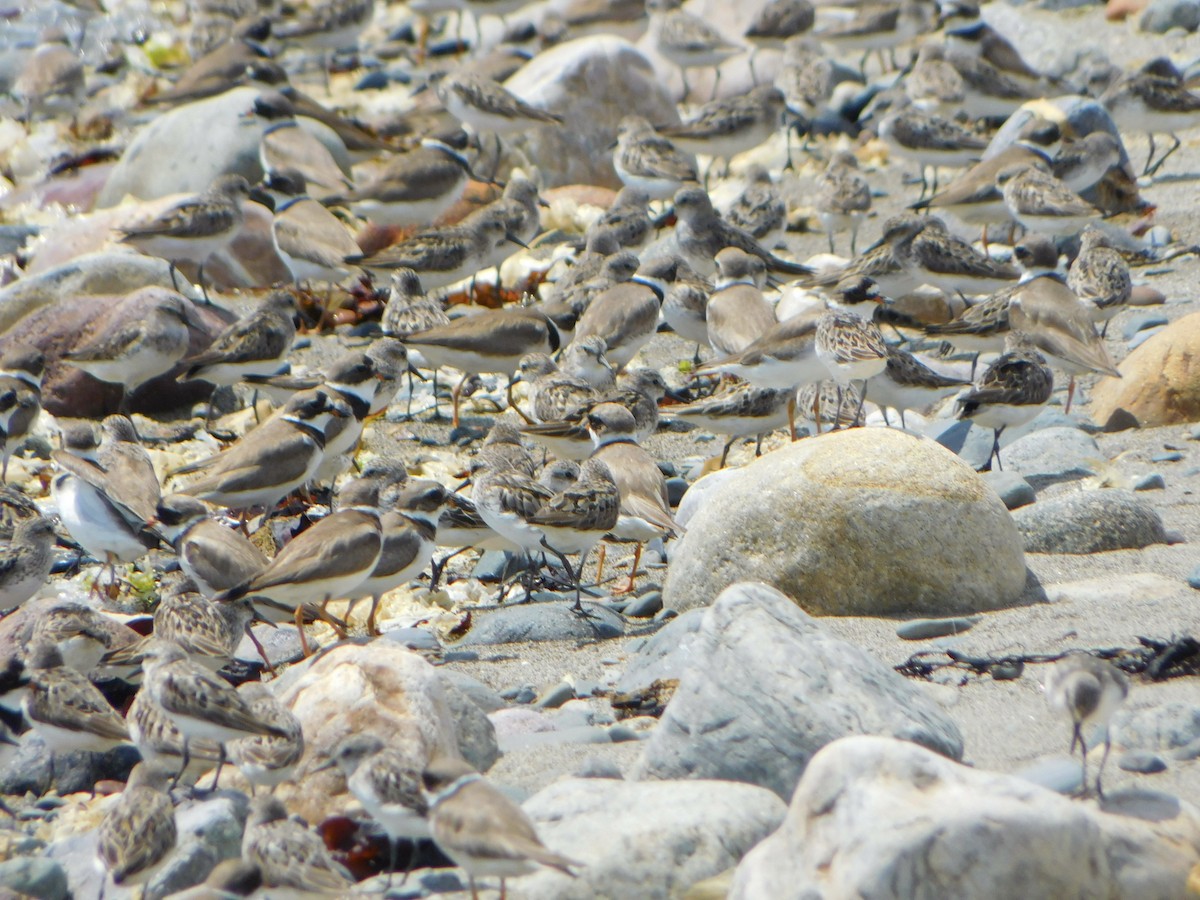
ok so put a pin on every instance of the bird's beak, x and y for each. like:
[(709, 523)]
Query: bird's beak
[(516, 240), (328, 764)]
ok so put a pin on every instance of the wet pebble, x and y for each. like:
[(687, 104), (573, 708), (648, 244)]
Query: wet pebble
[(1142, 762), (644, 606), (1150, 482)]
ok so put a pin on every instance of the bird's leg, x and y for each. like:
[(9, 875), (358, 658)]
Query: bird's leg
[(725, 452), (753, 74), (512, 403), (474, 890), (174, 281), (186, 757), (304, 648), (716, 84), (455, 397), (862, 401), (1070, 394), (259, 647), (391, 862), (791, 410), (683, 75), (629, 585), (758, 446), (1149, 156), (837, 413), (220, 764), (1103, 760), (372, 625), (203, 289), (600, 562), (437, 567), (1077, 738), (903, 424)]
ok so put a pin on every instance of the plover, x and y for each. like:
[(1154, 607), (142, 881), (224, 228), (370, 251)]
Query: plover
[(843, 198), (995, 49), (701, 234), (326, 562), (1099, 276), (65, 709), (851, 349), (140, 350), (443, 256), (256, 344), (1010, 392), (387, 785), (492, 341), (743, 410), (908, 383), (312, 241), (645, 514), (292, 859), (1040, 202), (480, 828), (737, 313), (646, 160), (200, 704), (21, 371), (408, 528), (626, 314), (1153, 100), (194, 228), (1087, 690), (760, 209), (25, 561), (1061, 327), (687, 40), (137, 832), (286, 147), (271, 461), (578, 516), (413, 188), (213, 556), (267, 760), (724, 128)]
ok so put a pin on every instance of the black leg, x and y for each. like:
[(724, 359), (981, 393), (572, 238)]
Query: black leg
[(725, 452)]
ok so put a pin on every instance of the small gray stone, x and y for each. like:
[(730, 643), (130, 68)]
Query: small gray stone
[(413, 638), (1061, 774), (556, 696), (523, 695), (1194, 434), (476, 736), (623, 734), (479, 693), (187, 866), (1052, 455), (1163, 15), (1120, 420), (924, 629), (1013, 490), (580, 734), (676, 488), (645, 606), (1143, 762), (1171, 456), (966, 439), (1194, 578), (599, 767), (1152, 481), (1089, 522), (1142, 321), (1142, 336), (1164, 727), (1187, 751), (661, 656), (542, 622), (29, 770), (29, 877)]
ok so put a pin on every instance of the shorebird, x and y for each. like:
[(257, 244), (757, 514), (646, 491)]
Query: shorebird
[(1153, 100), (414, 188), (760, 209), (851, 349), (160, 743), (688, 41), (931, 141), (286, 147), (777, 21), (480, 828), (625, 315), (312, 241), (649, 162), (1082, 164), (1039, 202), (194, 228), (627, 220), (1099, 276), (1087, 690), (685, 306), (207, 632), (327, 27), (292, 859), (21, 371), (701, 234), (267, 760), (737, 313), (931, 255), (492, 341), (878, 27), (486, 106), (908, 383), (724, 128), (137, 832), (743, 410), (553, 393), (140, 350), (578, 288), (1010, 392), (843, 198), (25, 561)]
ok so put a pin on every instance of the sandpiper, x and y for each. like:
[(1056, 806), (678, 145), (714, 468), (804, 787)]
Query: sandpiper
[(843, 198), (744, 410), (933, 256), (488, 107), (879, 27), (989, 93), (702, 234), (852, 349), (140, 350), (1099, 276), (82, 634), (931, 141), (207, 632), (646, 160), (1040, 202), (578, 288), (480, 828), (908, 383), (685, 305), (21, 371), (1010, 392), (688, 41), (737, 313), (194, 228), (413, 188), (327, 27), (491, 341), (387, 785), (724, 128), (553, 394), (627, 219), (1153, 100), (777, 21), (267, 760), (137, 832), (256, 344), (160, 743), (25, 561), (588, 359), (760, 209), (292, 859), (1087, 690), (65, 709), (52, 81)]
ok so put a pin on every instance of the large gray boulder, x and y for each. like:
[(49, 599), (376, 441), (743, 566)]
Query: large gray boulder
[(592, 82), (885, 819), (184, 149), (766, 687), (650, 841), (869, 521), (1090, 522)]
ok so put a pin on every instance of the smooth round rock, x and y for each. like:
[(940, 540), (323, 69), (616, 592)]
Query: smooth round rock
[(30, 877), (1089, 522), (1163, 15), (1142, 762), (1194, 578), (868, 521), (541, 622), (1158, 383), (1151, 482), (1013, 490)]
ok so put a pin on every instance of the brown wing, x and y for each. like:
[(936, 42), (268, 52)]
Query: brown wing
[(66, 699), (340, 544), (137, 833)]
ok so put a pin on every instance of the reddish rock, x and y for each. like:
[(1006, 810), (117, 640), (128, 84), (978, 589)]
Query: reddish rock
[(1160, 379)]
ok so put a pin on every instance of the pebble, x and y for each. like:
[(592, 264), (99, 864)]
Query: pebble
[(676, 488), (32, 877), (645, 606), (1187, 751), (599, 767), (668, 468), (1141, 322), (923, 629), (1173, 456), (1194, 579), (1194, 434), (1142, 762), (557, 696), (460, 656), (1121, 420), (1142, 336), (1150, 482), (523, 694), (1013, 490), (623, 734), (1058, 773), (1162, 16), (413, 638)]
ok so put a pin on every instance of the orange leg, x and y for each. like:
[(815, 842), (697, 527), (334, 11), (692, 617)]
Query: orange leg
[(600, 563), (372, 627), (455, 398), (1070, 394), (629, 586), (304, 648)]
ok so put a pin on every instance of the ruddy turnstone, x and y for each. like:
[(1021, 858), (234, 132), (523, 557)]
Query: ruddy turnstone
[(1087, 690), (1099, 276), (194, 228), (480, 828), (843, 198), (1010, 392), (646, 160)]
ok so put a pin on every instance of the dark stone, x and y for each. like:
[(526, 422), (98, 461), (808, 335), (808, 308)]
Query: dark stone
[(1142, 762), (1120, 420), (30, 769)]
